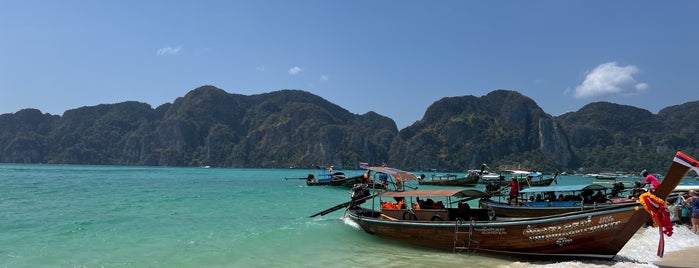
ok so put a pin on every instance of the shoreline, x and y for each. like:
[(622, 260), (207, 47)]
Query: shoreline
[(688, 257)]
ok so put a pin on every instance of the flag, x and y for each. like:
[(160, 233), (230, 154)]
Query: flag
[(363, 165), (687, 161)]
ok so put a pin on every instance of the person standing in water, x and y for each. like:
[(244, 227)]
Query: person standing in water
[(693, 200)]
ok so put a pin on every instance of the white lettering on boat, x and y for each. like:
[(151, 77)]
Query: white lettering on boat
[(606, 219), (491, 231), (563, 234)]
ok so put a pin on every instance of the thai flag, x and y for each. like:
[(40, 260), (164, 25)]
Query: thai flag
[(363, 165), (687, 161)]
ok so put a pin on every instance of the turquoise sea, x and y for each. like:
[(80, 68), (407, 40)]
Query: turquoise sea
[(105, 216)]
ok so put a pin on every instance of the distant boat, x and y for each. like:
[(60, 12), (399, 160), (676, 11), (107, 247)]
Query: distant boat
[(603, 176), (606, 176), (493, 185), (537, 179), (336, 178), (469, 179), (505, 176)]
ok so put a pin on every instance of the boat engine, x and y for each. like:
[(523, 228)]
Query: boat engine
[(359, 191), (492, 188), (617, 188)]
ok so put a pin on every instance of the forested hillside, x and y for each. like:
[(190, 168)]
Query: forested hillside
[(294, 128)]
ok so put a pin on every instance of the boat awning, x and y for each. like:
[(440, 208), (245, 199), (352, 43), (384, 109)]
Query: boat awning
[(436, 193), (687, 187), (396, 173), (564, 188)]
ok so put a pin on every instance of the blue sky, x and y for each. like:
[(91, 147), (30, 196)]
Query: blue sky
[(392, 57)]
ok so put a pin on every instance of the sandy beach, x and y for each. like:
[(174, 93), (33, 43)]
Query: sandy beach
[(683, 258)]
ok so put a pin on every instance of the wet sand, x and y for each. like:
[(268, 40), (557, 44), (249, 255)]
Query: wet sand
[(684, 258)]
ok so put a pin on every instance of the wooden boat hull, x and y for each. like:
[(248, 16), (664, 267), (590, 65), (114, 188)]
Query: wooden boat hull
[(512, 211), (593, 234), (465, 181), (599, 233)]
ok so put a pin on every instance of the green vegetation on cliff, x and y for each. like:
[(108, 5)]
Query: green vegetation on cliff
[(293, 128)]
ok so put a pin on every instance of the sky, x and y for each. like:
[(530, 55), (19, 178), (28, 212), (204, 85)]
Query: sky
[(392, 57)]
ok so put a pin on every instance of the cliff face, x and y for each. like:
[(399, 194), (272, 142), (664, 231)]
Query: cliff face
[(293, 128), (22, 136), (503, 128), (208, 126), (633, 139)]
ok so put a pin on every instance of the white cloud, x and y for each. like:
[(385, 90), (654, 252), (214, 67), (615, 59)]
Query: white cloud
[(295, 70), (168, 50), (610, 79), (324, 77)]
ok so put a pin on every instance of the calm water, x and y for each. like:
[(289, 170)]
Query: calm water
[(99, 216)]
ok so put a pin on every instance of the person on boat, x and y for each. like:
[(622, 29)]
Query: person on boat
[(462, 209), (637, 190), (383, 178), (439, 205), (539, 198), (515, 186), (429, 204), (367, 176), (599, 197), (549, 196), (587, 196), (416, 206), (650, 180), (561, 198), (694, 201)]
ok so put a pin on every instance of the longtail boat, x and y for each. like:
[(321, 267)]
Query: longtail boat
[(599, 233), (551, 200), (450, 180), (470, 179), (389, 176), (333, 179)]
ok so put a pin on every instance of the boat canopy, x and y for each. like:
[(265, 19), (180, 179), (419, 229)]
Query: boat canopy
[(436, 193), (396, 173), (564, 188), (687, 187)]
